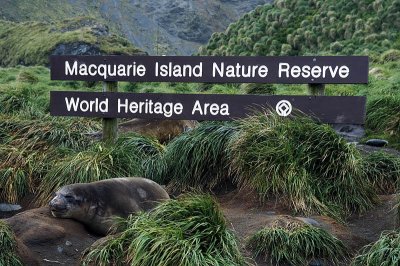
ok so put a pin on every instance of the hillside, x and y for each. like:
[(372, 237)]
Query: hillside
[(30, 43), (289, 27), (157, 27)]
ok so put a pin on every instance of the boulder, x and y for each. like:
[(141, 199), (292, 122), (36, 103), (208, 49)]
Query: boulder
[(377, 142)]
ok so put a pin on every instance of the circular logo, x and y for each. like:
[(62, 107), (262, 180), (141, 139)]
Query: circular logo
[(283, 108)]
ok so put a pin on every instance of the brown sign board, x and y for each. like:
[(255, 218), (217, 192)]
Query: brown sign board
[(213, 69), (327, 109)]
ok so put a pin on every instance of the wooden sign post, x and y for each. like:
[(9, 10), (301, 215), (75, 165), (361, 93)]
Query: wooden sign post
[(110, 125), (316, 89)]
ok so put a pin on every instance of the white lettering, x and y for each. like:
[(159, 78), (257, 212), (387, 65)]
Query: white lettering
[(69, 71)]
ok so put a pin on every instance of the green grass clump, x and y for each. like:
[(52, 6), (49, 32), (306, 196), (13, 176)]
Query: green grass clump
[(307, 165), (21, 97), (383, 171), (30, 147), (384, 252), (383, 115), (188, 231), (28, 77), (254, 88), (296, 243), (8, 246), (199, 158), (391, 55), (100, 161), (59, 132), (18, 169)]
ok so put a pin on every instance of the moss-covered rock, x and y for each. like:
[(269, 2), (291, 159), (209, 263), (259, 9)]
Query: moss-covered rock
[(31, 43)]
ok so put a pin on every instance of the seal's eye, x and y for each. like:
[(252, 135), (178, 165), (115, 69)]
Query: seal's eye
[(69, 197)]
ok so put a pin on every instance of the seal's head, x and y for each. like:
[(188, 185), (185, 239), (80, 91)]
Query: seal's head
[(66, 203)]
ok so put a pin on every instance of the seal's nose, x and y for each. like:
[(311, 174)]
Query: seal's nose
[(57, 204)]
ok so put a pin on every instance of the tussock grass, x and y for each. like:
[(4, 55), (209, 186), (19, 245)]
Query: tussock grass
[(59, 132), (28, 77), (8, 247), (384, 252), (21, 169), (29, 148), (383, 171), (188, 231), (23, 98), (307, 165), (383, 115), (296, 243), (198, 159), (100, 161)]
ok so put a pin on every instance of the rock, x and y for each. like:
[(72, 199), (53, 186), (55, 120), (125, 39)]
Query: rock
[(316, 262), (76, 48), (309, 221), (46, 237), (352, 133), (5, 207), (377, 142)]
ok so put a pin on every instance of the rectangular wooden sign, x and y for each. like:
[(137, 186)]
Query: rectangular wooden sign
[(327, 109), (213, 69)]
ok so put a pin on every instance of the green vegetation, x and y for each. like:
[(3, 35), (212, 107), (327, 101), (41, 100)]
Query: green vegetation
[(383, 252), (306, 164), (8, 247), (188, 231), (199, 159), (31, 43), (383, 171), (296, 243), (383, 116), (294, 27), (101, 161), (28, 148)]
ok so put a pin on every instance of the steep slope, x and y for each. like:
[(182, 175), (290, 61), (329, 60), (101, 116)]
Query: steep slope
[(295, 27), (157, 26), (30, 43)]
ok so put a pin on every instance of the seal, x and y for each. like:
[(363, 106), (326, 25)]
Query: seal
[(96, 204)]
